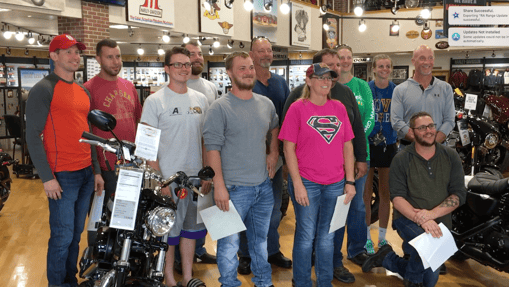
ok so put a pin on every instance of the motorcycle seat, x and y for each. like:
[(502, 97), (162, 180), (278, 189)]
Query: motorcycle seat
[(486, 183)]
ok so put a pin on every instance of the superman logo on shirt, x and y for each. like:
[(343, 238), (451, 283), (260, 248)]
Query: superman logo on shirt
[(326, 126)]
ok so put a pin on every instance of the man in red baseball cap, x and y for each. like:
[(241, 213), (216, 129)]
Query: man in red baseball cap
[(57, 108)]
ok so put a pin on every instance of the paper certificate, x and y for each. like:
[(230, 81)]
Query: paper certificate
[(127, 196), (340, 213), (96, 212), (221, 224), (147, 142)]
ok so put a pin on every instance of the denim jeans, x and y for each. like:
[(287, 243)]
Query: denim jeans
[(67, 220), (356, 225), (411, 269), (312, 228), (275, 218), (252, 204)]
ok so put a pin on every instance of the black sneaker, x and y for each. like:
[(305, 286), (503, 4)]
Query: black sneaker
[(244, 266), (377, 259), (343, 275), (360, 258), (411, 284), (206, 258), (443, 269)]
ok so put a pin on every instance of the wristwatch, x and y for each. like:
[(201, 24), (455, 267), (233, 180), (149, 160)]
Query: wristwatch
[(350, 182)]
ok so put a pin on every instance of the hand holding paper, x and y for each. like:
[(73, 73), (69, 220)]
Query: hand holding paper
[(221, 224), (435, 251), (340, 214)]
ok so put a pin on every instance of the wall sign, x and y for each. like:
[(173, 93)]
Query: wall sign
[(217, 20), (263, 22), (40, 4), (330, 36), (412, 34), (154, 12), (300, 25)]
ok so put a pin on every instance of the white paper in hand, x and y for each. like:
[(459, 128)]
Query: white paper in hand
[(340, 214), (435, 251), (147, 142), (221, 224), (96, 211)]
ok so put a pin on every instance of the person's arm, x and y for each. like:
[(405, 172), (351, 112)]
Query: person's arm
[(294, 95), (359, 141), (349, 170), (369, 113), (397, 113), (449, 114), (273, 155), (301, 194), (221, 195)]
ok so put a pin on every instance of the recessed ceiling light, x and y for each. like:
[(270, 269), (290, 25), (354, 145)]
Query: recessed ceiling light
[(29, 16), (4, 10), (119, 26)]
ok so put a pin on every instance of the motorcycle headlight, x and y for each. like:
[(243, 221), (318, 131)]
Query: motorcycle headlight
[(160, 220), (491, 141)]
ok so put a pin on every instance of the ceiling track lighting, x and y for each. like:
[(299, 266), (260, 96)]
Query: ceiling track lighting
[(395, 26), (138, 59), (186, 38), (19, 35), (267, 7), (216, 43), (160, 51), (248, 5), (467, 56), (493, 55), (7, 34), (8, 50), (241, 45), (211, 52), (285, 7), (362, 26), (31, 39), (166, 37), (426, 26), (140, 50), (426, 13), (228, 4), (359, 9), (325, 7), (130, 31), (26, 52), (300, 55), (394, 10), (229, 44)]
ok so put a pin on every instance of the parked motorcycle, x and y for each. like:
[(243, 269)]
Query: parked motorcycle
[(125, 257), (5, 177), (478, 140), (480, 227)]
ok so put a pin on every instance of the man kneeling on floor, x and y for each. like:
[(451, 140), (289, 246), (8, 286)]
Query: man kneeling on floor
[(426, 183)]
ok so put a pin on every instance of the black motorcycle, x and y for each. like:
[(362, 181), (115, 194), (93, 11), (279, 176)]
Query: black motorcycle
[(480, 227), (124, 257), (5, 177)]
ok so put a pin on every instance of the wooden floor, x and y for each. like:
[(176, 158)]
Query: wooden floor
[(25, 231)]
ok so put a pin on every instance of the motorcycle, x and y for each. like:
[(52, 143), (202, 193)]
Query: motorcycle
[(478, 140), (134, 257), (480, 227), (5, 177)]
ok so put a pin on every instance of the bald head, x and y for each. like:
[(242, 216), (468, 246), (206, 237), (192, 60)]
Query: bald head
[(422, 48), (423, 60)]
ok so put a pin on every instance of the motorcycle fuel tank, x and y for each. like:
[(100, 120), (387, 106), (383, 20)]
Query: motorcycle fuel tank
[(481, 204)]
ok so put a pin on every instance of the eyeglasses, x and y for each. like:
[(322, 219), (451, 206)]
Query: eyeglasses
[(259, 37), (321, 78), (424, 127), (179, 65)]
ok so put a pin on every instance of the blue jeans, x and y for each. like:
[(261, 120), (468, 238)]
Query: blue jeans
[(312, 228), (275, 218), (67, 220), (356, 224), (252, 203), (411, 269)]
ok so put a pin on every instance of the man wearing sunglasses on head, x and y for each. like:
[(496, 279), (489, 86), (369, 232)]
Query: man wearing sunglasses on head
[(426, 183), (179, 113)]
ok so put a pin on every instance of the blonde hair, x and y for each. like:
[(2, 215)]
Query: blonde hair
[(306, 93), (380, 57)]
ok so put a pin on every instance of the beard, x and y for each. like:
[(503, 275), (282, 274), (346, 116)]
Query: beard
[(420, 140), (111, 72), (243, 86), (196, 68), (265, 64)]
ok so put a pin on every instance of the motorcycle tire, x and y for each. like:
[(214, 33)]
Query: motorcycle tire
[(5, 187), (375, 199), (285, 199), (88, 283)]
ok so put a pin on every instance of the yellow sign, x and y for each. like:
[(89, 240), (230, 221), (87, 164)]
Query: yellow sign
[(412, 34)]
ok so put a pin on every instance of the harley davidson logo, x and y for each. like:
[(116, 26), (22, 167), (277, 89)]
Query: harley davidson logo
[(442, 45), (151, 8), (412, 34)]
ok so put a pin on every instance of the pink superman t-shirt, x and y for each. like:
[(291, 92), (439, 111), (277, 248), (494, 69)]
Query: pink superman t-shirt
[(319, 133)]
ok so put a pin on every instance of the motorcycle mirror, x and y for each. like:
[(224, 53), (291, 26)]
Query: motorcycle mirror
[(206, 173), (102, 120)]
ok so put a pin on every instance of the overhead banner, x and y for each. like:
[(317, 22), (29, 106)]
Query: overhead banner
[(152, 12), (453, 3), (478, 37)]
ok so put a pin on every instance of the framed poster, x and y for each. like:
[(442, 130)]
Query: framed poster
[(28, 77), (330, 37), (360, 71), (399, 74), (158, 12), (263, 22), (216, 18), (300, 25)]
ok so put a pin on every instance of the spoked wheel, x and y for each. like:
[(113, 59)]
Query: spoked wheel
[(375, 198)]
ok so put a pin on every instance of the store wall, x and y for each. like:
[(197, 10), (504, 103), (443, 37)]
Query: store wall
[(72, 9)]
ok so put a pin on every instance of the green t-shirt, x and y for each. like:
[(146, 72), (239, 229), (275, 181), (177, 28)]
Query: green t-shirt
[(362, 93)]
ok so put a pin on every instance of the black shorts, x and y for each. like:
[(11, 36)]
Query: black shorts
[(379, 158)]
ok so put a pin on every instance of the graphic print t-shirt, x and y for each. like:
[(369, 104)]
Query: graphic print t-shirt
[(319, 133)]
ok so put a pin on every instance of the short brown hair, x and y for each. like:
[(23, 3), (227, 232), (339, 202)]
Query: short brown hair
[(317, 58), (193, 42), (106, 42), (380, 57), (174, 51), (417, 115), (229, 59), (345, 46)]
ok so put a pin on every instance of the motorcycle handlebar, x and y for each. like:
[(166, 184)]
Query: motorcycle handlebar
[(106, 147), (181, 178), (91, 136)]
